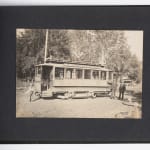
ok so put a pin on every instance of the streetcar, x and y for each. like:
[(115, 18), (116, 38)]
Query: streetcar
[(64, 79), (71, 80)]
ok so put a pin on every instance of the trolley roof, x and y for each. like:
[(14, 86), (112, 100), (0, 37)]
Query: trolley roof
[(74, 65)]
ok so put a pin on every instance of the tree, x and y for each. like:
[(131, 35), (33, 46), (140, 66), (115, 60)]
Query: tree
[(118, 54), (135, 69), (30, 48), (58, 45)]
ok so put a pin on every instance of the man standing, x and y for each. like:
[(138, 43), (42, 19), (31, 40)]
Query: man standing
[(114, 88), (122, 89)]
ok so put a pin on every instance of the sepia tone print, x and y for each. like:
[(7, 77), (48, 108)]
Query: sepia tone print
[(79, 73)]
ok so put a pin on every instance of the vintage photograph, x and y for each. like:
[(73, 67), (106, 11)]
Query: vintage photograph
[(70, 73)]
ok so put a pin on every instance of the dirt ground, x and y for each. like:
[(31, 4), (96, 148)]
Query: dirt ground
[(100, 107)]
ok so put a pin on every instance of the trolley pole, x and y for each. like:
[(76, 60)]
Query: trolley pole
[(46, 43)]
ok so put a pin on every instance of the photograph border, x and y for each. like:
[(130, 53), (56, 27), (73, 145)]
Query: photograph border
[(69, 130)]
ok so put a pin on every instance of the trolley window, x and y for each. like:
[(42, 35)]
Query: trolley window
[(78, 74), (59, 73), (95, 74), (87, 74), (110, 75), (103, 75), (69, 73)]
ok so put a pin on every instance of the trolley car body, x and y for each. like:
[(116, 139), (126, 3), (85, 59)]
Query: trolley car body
[(71, 79)]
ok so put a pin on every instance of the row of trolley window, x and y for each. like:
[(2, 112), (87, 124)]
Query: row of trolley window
[(74, 73), (69, 73)]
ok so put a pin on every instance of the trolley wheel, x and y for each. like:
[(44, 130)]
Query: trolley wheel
[(93, 95), (68, 95), (38, 94), (34, 96)]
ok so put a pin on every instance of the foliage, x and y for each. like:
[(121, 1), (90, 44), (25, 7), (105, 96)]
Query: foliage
[(135, 69), (30, 49)]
